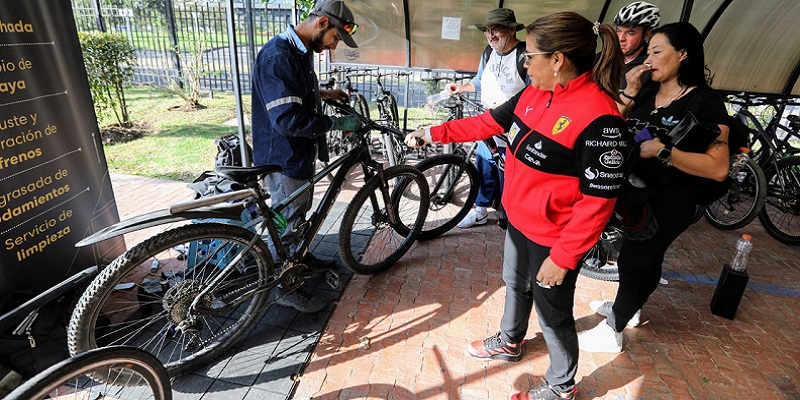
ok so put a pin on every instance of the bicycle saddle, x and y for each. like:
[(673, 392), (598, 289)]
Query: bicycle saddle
[(245, 175)]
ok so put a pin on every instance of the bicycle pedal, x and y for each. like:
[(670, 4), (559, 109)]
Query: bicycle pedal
[(332, 279)]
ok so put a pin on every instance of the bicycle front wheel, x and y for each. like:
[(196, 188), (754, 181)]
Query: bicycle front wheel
[(743, 201), (781, 213), (144, 298), (376, 232), (453, 185), (117, 372)]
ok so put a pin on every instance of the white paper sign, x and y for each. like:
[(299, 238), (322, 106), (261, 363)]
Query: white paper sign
[(451, 28)]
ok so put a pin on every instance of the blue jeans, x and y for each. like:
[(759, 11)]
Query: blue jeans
[(522, 259), (280, 187), (490, 186)]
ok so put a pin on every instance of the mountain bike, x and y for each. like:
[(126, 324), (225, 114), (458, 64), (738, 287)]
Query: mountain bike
[(452, 177), (338, 142), (780, 215), (188, 294), (765, 139), (744, 200), (116, 372), (392, 146)]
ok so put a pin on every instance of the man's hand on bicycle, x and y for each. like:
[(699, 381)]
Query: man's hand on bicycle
[(335, 94), (419, 138), (453, 88), (347, 123)]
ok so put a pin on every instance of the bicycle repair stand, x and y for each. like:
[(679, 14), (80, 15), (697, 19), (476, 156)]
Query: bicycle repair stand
[(728, 294)]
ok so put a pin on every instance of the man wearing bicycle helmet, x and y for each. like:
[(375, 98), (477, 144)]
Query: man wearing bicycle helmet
[(635, 23)]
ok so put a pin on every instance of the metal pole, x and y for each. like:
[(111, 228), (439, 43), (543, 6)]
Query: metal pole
[(237, 89), (101, 25), (251, 37), (173, 39)]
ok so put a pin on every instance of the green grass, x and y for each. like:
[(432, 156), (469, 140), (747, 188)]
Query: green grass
[(181, 145)]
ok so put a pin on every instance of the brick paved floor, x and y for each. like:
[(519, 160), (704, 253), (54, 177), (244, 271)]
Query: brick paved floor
[(401, 334), (419, 316)]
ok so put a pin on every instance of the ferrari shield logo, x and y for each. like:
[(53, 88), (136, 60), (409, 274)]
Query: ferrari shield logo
[(560, 125)]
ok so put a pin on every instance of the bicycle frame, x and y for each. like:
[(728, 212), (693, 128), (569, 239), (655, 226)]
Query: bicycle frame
[(216, 207)]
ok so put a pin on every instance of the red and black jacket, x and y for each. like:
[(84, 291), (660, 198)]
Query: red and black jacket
[(564, 163)]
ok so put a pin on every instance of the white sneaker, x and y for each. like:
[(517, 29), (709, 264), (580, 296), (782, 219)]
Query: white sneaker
[(600, 339), (604, 308), (473, 218)]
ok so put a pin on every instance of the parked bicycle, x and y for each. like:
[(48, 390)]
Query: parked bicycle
[(392, 147), (780, 215), (117, 372), (338, 142), (30, 341), (744, 200), (188, 294), (452, 177)]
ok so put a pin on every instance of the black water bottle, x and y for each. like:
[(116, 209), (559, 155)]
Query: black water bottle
[(732, 281)]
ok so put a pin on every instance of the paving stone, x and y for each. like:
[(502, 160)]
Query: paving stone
[(420, 314)]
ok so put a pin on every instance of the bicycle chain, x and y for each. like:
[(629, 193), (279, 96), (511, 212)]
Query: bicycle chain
[(290, 268)]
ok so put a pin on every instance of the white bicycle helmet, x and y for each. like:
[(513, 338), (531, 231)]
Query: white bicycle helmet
[(638, 13)]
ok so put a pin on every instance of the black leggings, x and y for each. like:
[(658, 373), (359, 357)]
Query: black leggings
[(640, 262)]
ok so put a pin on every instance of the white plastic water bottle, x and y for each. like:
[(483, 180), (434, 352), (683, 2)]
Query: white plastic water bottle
[(435, 98), (743, 247)]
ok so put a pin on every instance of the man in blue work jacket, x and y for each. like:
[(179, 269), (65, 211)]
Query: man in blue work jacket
[(289, 127)]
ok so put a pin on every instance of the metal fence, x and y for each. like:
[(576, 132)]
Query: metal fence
[(168, 34)]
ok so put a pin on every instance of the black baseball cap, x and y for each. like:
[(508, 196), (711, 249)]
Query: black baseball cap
[(340, 17)]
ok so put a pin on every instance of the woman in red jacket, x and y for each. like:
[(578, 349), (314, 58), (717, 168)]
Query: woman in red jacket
[(563, 171)]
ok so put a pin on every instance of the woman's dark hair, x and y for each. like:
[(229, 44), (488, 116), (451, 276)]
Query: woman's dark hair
[(576, 37), (684, 36)]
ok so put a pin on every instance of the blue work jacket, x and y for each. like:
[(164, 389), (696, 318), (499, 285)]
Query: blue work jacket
[(285, 104)]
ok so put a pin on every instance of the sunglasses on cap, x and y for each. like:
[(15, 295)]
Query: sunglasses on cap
[(348, 26)]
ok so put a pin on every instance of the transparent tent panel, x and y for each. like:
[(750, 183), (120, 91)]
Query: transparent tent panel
[(752, 47)]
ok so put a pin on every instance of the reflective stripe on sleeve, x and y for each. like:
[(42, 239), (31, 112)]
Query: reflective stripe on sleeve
[(283, 100)]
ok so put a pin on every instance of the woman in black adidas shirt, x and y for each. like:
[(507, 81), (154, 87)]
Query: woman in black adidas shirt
[(678, 74)]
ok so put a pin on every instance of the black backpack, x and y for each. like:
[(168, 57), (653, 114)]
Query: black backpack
[(229, 152), (520, 47)]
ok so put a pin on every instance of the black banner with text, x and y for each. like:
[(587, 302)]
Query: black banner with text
[(54, 182)]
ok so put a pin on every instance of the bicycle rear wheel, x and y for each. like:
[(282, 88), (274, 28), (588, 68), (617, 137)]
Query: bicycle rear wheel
[(781, 213), (600, 262), (117, 372), (143, 298), (743, 201), (369, 242), (453, 185)]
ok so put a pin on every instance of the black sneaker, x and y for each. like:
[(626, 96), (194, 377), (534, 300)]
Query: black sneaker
[(494, 348), (546, 392)]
